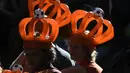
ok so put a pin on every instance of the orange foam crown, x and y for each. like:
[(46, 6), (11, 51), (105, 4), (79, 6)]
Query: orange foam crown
[(34, 38), (60, 10), (96, 35), (9, 71)]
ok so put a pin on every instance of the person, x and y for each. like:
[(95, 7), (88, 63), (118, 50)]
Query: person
[(84, 53), (41, 59), (38, 48), (83, 41), (63, 59)]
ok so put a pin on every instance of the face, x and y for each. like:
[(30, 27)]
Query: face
[(77, 51), (36, 57)]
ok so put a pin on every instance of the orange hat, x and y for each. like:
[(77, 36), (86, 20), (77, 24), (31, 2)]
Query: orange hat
[(34, 38), (9, 71), (60, 12), (96, 35)]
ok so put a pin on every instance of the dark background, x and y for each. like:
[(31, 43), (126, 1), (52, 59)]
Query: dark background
[(113, 57)]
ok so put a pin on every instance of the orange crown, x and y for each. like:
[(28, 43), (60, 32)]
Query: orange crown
[(9, 71), (96, 34), (60, 10), (39, 31)]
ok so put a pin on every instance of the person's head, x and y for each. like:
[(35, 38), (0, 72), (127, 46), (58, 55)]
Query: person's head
[(40, 58), (81, 48)]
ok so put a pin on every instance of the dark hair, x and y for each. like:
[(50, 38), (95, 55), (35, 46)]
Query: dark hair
[(48, 56), (51, 54)]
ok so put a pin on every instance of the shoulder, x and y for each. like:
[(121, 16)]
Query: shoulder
[(94, 68), (54, 70), (74, 70)]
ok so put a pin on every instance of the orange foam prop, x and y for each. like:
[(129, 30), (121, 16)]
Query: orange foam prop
[(9, 71), (107, 35), (31, 5), (62, 12), (96, 33), (49, 33)]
